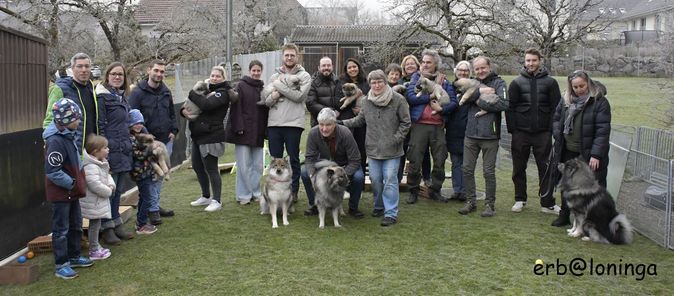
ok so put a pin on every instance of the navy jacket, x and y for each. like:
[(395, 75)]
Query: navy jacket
[(64, 176), (157, 108), (417, 104), (113, 124)]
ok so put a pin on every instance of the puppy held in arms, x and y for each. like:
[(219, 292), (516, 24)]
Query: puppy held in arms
[(330, 182), (201, 89), (276, 190), (351, 93), (438, 95), (595, 215), (160, 159), (468, 87), (288, 81)]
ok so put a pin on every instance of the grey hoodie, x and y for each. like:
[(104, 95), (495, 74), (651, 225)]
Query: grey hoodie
[(289, 112), (386, 127)]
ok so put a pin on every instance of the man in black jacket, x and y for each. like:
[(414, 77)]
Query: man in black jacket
[(322, 93), (534, 95)]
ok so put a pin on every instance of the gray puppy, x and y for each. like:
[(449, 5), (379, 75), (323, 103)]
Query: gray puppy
[(276, 190), (468, 87), (330, 182)]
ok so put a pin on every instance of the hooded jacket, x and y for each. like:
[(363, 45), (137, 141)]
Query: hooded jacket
[(96, 205), (290, 111), (209, 126), (533, 99), (322, 94), (157, 108), (247, 123), (488, 126), (112, 123), (86, 99), (64, 177)]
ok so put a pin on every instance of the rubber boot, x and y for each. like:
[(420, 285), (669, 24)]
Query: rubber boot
[(110, 238)]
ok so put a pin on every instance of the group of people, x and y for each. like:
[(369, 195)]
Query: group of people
[(378, 133), (90, 143)]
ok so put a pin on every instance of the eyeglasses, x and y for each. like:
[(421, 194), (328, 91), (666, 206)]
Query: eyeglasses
[(578, 73), (462, 70), (378, 81), (117, 74)]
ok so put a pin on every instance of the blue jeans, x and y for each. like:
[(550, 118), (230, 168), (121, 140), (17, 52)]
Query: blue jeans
[(249, 167), (114, 203), (154, 197), (356, 184), (290, 138), (146, 192), (457, 173), (66, 231), (384, 178)]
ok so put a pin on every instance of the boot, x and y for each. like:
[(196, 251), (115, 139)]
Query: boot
[(110, 238), (488, 211), (155, 218), (121, 233), (564, 216), (165, 213), (467, 208), (436, 195), (414, 196)]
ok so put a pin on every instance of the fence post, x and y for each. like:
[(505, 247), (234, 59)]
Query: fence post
[(670, 187)]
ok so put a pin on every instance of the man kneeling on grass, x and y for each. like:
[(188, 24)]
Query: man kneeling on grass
[(333, 142)]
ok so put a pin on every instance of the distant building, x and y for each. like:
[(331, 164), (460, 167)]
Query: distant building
[(634, 20)]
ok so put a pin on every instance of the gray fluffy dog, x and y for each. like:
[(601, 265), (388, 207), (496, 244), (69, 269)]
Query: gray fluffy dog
[(330, 183), (468, 87)]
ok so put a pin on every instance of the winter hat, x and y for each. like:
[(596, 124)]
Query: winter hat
[(135, 117), (65, 111)]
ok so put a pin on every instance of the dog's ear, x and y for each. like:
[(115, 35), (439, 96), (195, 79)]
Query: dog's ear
[(331, 172)]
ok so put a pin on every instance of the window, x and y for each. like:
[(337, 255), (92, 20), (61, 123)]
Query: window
[(643, 23), (658, 22)]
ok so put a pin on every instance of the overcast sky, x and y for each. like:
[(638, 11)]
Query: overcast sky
[(372, 5)]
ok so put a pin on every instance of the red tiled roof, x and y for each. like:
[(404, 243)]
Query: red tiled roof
[(153, 11)]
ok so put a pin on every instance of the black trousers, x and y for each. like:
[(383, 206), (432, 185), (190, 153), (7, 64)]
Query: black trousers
[(521, 147)]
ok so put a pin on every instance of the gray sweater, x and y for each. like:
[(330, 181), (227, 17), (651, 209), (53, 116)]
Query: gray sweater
[(386, 127)]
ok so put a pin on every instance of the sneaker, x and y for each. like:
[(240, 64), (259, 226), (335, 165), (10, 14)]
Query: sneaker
[(146, 229), (201, 201), (460, 196), (214, 206), (518, 206), (166, 213), (312, 211), (99, 254), (467, 208), (347, 195), (377, 212), (241, 202), (488, 211), (155, 218), (356, 213), (388, 221), (255, 198), (551, 210), (412, 199), (65, 273), (81, 262)]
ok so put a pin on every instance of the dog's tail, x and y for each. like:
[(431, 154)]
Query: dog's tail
[(324, 163), (621, 230)]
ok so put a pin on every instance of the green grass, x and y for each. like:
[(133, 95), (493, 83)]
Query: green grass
[(431, 251)]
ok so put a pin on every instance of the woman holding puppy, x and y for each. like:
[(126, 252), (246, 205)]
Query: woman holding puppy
[(581, 128), (246, 129), (353, 73), (207, 131)]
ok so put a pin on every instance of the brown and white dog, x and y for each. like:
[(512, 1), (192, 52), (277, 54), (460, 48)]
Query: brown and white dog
[(160, 161)]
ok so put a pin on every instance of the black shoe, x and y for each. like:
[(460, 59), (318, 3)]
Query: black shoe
[(356, 213), (166, 213), (460, 196), (313, 211), (412, 199), (377, 213), (562, 220), (388, 221), (435, 195), (294, 196), (155, 218)]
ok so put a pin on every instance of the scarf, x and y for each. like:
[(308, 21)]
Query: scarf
[(383, 99), (577, 105)]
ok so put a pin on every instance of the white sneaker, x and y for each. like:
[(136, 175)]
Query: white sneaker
[(202, 201), (214, 206), (551, 210), (347, 195), (519, 205)]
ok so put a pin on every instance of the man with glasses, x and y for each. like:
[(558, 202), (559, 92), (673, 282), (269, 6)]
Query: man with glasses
[(81, 90), (533, 95), (286, 111)]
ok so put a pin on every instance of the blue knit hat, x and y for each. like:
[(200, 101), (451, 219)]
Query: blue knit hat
[(135, 117), (65, 111)]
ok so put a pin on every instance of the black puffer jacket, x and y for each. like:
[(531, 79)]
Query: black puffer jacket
[(209, 127), (533, 98), (322, 94), (594, 134)]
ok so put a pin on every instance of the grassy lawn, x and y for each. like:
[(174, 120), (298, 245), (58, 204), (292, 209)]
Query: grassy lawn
[(431, 251)]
